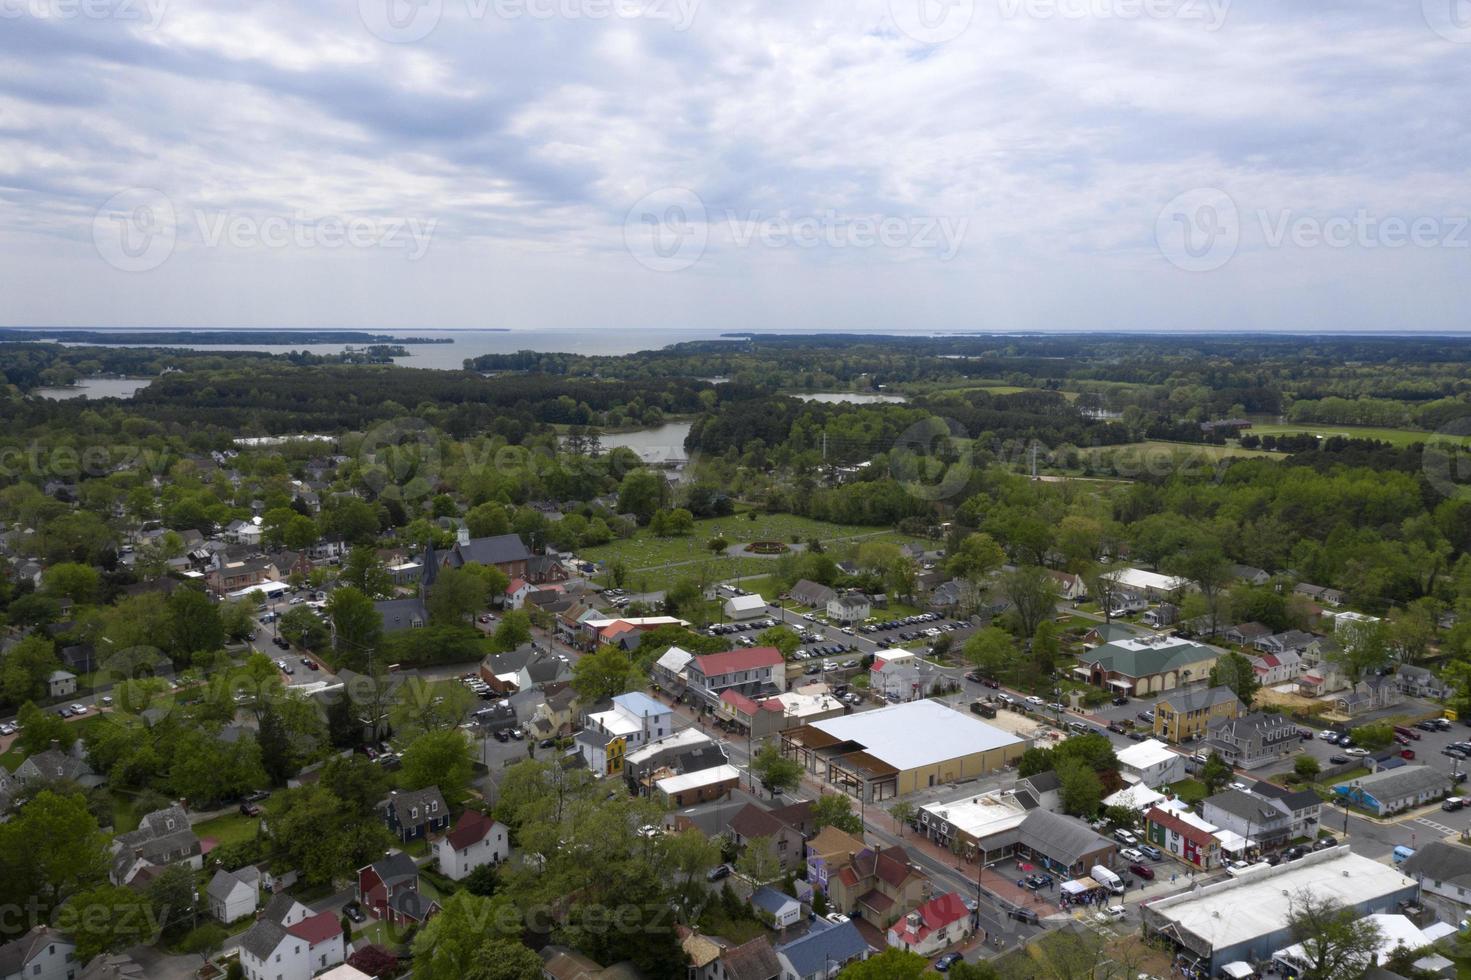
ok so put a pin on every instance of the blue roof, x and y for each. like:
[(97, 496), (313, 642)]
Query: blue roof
[(770, 899), (823, 943), (640, 705)]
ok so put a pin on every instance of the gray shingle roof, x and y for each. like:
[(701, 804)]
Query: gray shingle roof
[(500, 549), (1061, 838), (396, 867), (824, 944), (222, 884), (1441, 860), (15, 955), (1246, 806), (412, 809), (1405, 781), (261, 939)]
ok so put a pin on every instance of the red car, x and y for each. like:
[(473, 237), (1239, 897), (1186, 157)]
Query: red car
[(1407, 754), (1143, 871)]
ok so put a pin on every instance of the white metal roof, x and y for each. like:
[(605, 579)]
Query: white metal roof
[(695, 780), (1146, 754), (917, 733), (981, 815)]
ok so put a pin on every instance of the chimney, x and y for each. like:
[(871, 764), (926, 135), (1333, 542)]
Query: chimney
[(55, 744)]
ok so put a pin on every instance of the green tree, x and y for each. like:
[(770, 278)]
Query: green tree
[(781, 637), (305, 628), (194, 623), (358, 625), (1337, 941), (50, 851), (1306, 767), (1214, 774), (106, 919), (236, 620), (1362, 648), (458, 594), (759, 861), (444, 759), (71, 580), (902, 813), (25, 670), (1046, 647), (991, 650), (173, 896), (39, 728), (487, 520), (605, 672), (426, 706), (892, 964), (640, 494), (504, 959), (1032, 594), (836, 810), (1235, 671), (448, 945), (316, 831), (1079, 787), (514, 630), (1375, 737), (365, 572), (776, 772)]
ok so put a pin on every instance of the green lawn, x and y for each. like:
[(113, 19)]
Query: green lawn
[(1396, 437), (1189, 790), (231, 828)]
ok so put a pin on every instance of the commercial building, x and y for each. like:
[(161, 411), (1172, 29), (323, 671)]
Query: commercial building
[(1063, 843), (881, 754), (1182, 715), (1147, 664), (632, 722), (1246, 918), (984, 824), (754, 672), (739, 607), (1150, 583), (1395, 790), (1255, 740)]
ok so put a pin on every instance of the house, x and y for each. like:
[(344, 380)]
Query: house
[(671, 671), (1288, 641), (1276, 668), (849, 609), (1303, 806), (1370, 694), (402, 614), (1252, 817), (1319, 594), (1151, 763), (1165, 614), (163, 838), (410, 815), (633, 721), (1184, 836), (555, 716), (1254, 740), (1069, 586), (474, 840), (1250, 574), (684, 789), (1145, 665), (1245, 634), (272, 951), (542, 670), (948, 597), (1392, 791), (1417, 682), (1188, 714), (61, 683), (936, 924), (812, 594), (389, 889), (231, 896), (1321, 678), (828, 853), (1063, 843), (517, 591), (752, 671), (778, 911), (782, 830), (753, 960), (226, 575), (41, 954), (739, 607), (1150, 583), (823, 951), (286, 910), (1443, 868), (879, 886), (56, 766), (688, 750)]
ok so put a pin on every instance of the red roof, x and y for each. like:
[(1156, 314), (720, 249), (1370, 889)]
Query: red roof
[(471, 828), (746, 705), (516, 585), (935, 914), (716, 664), (1169, 821), (317, 928)]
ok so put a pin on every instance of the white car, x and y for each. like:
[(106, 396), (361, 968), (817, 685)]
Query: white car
[(1328, 735), (79, 709), (1034, 699), (1356, 752), (1238, 784), (1006, 698), (7, 729), (1132, 854)]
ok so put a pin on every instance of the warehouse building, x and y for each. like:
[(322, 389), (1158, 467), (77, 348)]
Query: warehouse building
[(1245, 919), (878, 755)]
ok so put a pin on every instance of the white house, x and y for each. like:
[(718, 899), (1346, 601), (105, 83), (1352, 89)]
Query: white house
[(1152, 763), (941, 921), (848, 609), (1150, 583), (41, 954), (1442, 867), (231, 897), (271, 951), (475, 840), (61, 683), (784, 910), (739, 607), (634, 720)]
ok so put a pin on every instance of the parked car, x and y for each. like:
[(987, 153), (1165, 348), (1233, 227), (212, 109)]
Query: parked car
[(1329, 735), (1142, 870), (1323, 843), (1452, 803), (1131, 854), (1152, 852), (1023, 915), (354, 911), (718, 872), (1121, 699), (1124, 837), (1339, 760), (1408, 754), (1356, 751), (945, 962), (1146, 716), (248, 809), (1138, 736), (79, 709)]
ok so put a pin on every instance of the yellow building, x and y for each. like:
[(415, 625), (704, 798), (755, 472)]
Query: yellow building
[(1181, 715), (878, 755)]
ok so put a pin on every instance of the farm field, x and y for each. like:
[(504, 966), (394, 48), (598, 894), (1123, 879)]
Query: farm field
[(1395, 437)]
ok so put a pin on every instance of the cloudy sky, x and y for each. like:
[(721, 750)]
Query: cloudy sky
[(844, 164)]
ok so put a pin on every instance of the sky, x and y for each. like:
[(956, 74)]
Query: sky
[(735, 164)]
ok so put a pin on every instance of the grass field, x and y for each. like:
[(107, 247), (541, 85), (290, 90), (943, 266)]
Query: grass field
[(1395, 437)]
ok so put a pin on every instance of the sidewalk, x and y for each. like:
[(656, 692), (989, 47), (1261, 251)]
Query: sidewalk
[(999, 879)]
